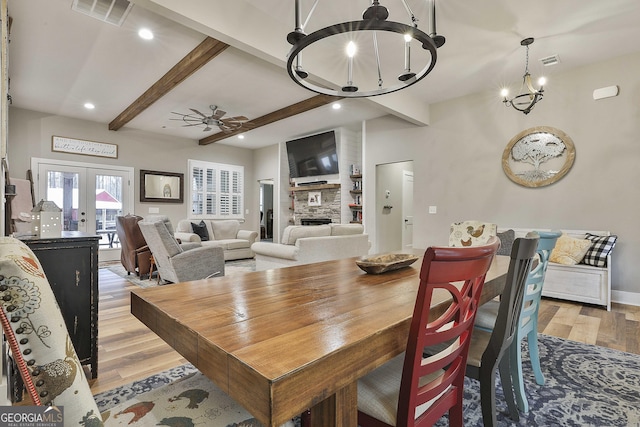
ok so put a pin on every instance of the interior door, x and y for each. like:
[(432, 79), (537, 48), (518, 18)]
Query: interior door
[(407, 209)]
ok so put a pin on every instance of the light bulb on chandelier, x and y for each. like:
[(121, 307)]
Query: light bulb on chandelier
[(351, 52), (527, 99)]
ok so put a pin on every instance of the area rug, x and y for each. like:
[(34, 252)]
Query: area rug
[(585, 385), (230, 267), (180, 397)]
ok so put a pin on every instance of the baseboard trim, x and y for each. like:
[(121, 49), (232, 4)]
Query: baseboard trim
[(627, 298)]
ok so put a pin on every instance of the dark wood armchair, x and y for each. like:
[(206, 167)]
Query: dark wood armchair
[(135, 254)]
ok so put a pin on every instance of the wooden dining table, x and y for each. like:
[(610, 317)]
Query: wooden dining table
[(285, 340)]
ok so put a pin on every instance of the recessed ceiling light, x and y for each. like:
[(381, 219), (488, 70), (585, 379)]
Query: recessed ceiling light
[(336, 106), (145, 33), (89, 106), (240, 136)]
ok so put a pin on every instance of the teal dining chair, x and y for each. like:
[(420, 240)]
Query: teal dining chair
[(528, 324)]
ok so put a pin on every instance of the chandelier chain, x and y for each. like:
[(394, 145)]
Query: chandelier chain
[(313, 8), (377, 53), (413, 18)]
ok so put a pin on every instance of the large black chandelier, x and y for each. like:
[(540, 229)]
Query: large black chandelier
[(529, 96), (371, 37)]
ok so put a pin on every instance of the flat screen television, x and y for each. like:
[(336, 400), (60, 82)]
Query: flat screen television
[(313, 155)]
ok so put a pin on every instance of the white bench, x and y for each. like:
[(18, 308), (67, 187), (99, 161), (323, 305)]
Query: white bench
[(580, 282)]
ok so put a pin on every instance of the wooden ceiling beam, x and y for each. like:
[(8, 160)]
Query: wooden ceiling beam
[(203, 53), (283, 113)]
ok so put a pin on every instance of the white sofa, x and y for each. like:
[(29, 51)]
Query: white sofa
[(227, 234), (579, 282), (306, 244)]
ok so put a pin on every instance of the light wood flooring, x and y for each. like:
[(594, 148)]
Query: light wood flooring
[(128, 350)]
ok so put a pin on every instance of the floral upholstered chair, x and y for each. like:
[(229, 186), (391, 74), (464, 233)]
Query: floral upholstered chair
[(38, 337), (471, 233), (45, 357)]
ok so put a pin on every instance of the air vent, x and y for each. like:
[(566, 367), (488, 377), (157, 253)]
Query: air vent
[(550, 60), (110, 11)]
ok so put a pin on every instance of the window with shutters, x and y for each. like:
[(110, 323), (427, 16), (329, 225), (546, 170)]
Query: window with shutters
[(216, 190)]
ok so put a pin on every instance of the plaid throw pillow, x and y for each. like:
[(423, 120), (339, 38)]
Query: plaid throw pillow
[(601, 246)]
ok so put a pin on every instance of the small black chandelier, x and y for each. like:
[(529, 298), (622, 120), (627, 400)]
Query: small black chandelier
[(529, 98), (374, 21)]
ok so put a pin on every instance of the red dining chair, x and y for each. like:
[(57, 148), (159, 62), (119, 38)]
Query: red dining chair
[(413, 390)]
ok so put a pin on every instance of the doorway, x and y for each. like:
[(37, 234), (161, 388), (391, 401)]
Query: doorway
[(91, 196), (394, 207), (266, 210), (407, 210)]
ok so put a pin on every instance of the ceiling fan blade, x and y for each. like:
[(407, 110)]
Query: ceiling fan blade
[(197, 112), (236, 119), (218, 113), (226, 128), (207, 129), (231, 127)]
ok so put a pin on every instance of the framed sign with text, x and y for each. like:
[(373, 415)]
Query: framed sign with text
[(86, 148)]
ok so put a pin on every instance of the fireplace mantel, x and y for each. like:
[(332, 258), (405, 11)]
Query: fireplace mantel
[(315, 187)]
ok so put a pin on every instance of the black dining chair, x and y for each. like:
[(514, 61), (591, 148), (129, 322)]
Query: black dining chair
[(489, 351)]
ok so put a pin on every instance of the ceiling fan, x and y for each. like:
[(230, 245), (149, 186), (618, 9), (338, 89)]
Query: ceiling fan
[(226, 125)]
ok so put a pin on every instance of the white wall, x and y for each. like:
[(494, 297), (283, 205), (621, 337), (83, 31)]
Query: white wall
[(457, 163), (30, 136)]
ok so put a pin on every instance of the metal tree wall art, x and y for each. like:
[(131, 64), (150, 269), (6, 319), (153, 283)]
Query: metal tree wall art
[(538, 156)]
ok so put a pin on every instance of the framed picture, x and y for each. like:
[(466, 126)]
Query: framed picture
[(161, 187), (538, 156), (315, 198)]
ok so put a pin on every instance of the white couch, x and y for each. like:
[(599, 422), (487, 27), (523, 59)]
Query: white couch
[(306, 244), (227, 234)]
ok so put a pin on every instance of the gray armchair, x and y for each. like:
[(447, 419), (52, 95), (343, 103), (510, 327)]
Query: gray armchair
[(180, 263)]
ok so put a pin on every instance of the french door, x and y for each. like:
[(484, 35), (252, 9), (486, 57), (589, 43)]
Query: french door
[(90, 196)]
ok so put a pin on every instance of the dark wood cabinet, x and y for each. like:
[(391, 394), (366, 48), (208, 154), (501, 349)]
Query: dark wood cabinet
[(70, 263)]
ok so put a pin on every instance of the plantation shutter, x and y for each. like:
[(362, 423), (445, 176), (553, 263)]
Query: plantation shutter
[(217, 190)]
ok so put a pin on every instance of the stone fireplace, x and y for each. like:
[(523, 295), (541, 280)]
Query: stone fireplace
[(315, 221), (329, 209)]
